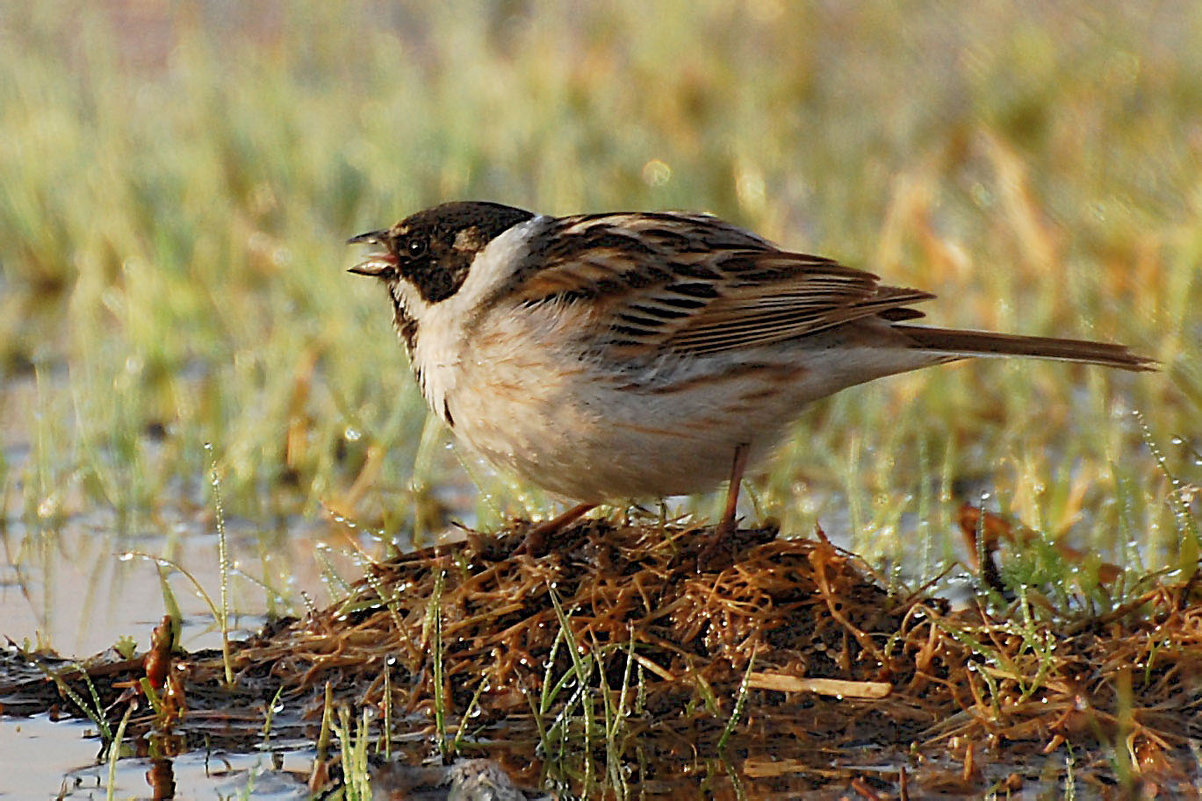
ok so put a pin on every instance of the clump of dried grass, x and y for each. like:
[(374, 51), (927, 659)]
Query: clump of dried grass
[(802, 636)]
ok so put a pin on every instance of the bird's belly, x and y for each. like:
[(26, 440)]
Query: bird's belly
[(593, 436)]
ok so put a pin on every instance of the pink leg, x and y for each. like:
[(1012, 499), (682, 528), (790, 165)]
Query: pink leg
[(535, 543), (726, 526)]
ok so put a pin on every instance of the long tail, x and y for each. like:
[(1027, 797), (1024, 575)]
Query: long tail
[(987, 343)]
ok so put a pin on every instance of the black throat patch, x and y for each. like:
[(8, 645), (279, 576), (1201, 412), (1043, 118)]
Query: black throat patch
[(405, 325)]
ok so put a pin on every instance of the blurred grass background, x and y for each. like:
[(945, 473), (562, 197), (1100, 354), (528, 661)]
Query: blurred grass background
[(178, 181)]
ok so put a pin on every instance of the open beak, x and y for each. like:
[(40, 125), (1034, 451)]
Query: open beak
[(380, 261)]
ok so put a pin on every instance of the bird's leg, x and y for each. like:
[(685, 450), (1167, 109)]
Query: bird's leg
[(535, 543), (738, 465), (726, 526)]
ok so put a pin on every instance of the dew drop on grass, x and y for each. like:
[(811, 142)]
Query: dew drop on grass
[(352, 434), (47, 508), (125, 557)]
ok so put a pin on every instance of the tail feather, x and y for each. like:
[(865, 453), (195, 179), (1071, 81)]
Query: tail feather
[(987, 343)]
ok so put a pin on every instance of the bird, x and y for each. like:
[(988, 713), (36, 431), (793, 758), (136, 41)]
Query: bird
[(616, 356)]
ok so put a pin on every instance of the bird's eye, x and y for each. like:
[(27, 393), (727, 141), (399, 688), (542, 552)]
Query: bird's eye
[(415, 247)]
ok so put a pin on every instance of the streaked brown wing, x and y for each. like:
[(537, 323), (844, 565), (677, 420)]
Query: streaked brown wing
[(695, 284)]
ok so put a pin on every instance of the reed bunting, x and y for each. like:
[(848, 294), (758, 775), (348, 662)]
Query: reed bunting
[(614, 356)]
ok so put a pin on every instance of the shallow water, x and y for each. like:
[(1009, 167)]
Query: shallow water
[(40, 758), (80, 587)]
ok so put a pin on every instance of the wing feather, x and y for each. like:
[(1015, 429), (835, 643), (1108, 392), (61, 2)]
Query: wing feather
[(695, 284)]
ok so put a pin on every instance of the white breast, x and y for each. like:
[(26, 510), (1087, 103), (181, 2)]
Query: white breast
[(443, 327)]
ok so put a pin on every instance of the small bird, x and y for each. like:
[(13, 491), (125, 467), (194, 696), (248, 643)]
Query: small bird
[(629, 355)]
